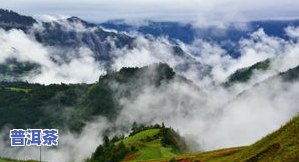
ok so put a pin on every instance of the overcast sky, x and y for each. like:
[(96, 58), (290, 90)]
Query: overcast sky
[(180, 10)]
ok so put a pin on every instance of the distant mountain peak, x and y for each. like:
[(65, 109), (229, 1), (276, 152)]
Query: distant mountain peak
[(10, 19), (75, 19)]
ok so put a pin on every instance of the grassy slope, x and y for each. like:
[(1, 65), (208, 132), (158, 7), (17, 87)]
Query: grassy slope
[(279, 146), (149, 146), (141, 136), (5, 160), (16, 89), (10, 160)]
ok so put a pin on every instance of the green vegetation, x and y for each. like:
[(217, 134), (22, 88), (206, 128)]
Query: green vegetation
[(109, 152), (279, 146), (146, 146), (245, 74), (11, 160), (6, 160), (143, 135), (18, 89), (144, 143), (70, 106), (291, 74), (12, 70), (24, 104)]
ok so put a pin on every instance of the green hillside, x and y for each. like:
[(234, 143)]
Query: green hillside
[(144, 143), (148, 145), (244, 74), (70, 106), (279, 146)]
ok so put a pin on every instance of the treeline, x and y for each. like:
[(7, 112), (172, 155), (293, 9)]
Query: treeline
[(171, 138)]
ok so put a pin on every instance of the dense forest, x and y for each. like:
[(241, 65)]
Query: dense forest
[(24, 104), (11, 19)]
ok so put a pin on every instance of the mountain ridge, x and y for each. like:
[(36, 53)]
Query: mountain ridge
[(50, 103)]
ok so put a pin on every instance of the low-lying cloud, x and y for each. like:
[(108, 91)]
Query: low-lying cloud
[(81, 68), (72, 146)]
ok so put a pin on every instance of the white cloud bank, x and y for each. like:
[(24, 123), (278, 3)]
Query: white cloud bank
[(82, 68)]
